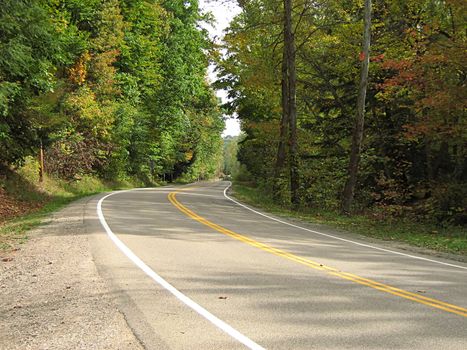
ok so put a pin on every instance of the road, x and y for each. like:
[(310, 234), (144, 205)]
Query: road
[(192, 269)]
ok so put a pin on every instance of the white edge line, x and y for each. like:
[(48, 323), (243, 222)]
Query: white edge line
[(162, 282), (336, 237)]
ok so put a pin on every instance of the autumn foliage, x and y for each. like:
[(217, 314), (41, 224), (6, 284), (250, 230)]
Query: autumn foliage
[(114, 89), (413, 160)]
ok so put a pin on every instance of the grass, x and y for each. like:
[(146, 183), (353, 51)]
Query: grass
[(38, 200), (449, 239), (14, 231)]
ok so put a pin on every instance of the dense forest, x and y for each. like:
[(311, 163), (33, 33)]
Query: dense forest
[(108, 88), (350, 106), (318, 104)]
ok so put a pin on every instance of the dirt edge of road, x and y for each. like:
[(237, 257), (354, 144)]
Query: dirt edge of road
[(52, 294)]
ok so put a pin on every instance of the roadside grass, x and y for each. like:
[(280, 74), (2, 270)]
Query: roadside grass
[(446, 239), (14, 231), (36, 201)]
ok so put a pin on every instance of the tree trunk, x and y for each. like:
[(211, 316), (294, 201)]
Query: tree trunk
[(357, 136), (289, 111), (284, 128), (428, 159), (41, 163), (289, 45)]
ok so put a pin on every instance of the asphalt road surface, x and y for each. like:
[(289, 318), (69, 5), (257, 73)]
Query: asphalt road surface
[(192, 269)]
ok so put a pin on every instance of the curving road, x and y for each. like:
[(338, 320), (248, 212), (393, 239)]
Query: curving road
[(192, 269)]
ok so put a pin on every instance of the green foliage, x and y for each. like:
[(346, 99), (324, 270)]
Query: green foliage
[(231, 163), (114, 88), (27, 57), (413, 153)]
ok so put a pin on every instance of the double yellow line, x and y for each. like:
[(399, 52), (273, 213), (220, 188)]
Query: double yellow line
[(317, 266)]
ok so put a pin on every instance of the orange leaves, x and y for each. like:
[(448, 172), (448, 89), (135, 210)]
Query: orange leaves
[(397, 65), (430, 82), (404, 73), (413, 131), (95, 68), (378, 58), (78, 72), (429, 126), (361, 56)]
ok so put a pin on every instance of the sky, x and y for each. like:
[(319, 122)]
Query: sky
[(223, 11)]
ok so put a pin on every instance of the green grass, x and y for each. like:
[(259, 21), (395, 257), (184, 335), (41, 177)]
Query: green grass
[(449, 239), (46, 198)]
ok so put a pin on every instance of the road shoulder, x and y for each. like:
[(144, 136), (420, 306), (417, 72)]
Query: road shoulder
[(52, 294), (346, 233)]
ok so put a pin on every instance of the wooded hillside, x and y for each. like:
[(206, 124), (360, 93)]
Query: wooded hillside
[(114, 88)]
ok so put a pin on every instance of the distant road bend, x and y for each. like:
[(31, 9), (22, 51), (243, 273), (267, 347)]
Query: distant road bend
[(194, 269)]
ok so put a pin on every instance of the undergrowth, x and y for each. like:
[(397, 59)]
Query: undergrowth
[(448, 239), (33, 201)]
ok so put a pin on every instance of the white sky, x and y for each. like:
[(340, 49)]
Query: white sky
[(224, 11)]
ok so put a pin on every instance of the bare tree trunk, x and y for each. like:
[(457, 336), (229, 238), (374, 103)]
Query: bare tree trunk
[(292, 103), (284, 128), (357, 135), (288, 128)]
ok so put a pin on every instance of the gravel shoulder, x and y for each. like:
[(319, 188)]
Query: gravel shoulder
[(52, 296)]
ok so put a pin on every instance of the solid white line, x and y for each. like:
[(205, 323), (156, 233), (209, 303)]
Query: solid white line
[(338, 238), (158, 279)]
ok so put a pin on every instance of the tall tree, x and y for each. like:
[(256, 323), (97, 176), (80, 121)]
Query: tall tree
[(281, 157), (357, 135), (112, 88), (288, 123), (290, 56), (413, 158)]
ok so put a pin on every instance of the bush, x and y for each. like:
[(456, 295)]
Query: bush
[(242, 175), (449, 203)]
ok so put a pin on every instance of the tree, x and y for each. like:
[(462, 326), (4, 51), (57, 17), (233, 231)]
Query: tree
[(112, 88), (28, 55), (288, 123), (290, 56), (412, 160), (357, 135)]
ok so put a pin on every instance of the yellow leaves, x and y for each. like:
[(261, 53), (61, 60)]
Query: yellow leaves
[(78, 72), (110, 27), (86, 111), (102, 73), (188, 155)]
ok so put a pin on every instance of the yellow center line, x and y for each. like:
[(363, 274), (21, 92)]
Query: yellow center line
[(317, 266)]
